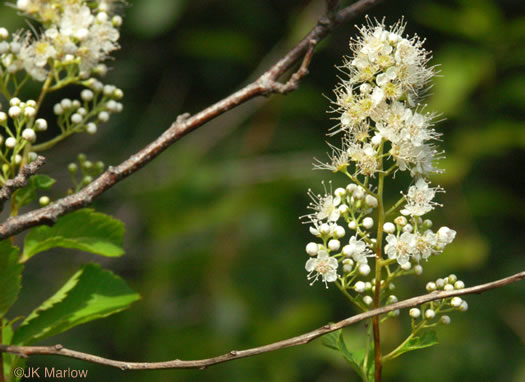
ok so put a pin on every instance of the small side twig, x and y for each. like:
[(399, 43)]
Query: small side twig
[(20, 180), (26, 351), (293, 82)]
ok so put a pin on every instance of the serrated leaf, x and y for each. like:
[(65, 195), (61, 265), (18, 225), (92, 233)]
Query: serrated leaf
[(427, 339), (91, 293), (27, 194), (335, 341), (85, 230), (10, 276)]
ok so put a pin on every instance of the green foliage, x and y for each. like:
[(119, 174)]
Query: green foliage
[(27, 194), (85, 230), (362, 362), (91, 293), (10, 276), (425, 340)]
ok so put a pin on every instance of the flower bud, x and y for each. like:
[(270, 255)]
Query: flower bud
[(456, 302), (44, 201), (430, 314), (359, 287), (29, 135), (371, 201), (446, 235), (389, 227), (418, 269), (364, 269), (445, 320), (339, 232), (41, 124), (392, 299), (368, 222), (414, 313), (343, 209), (459, 284), (14, 111), (341, 192), (311, 248), (348, 265), (91, 128), (10, 142), (76, 118), (368, 300), (431, 286), (334, 245), (401, 221)]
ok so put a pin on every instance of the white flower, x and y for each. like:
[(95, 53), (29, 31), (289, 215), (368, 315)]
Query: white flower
[(76, 21), (357, 250), (400, 248), (323, 265), (424, 244), (446, 235), (324, 206), (339, 159), (35, 57), (419, 198), (365, 157)]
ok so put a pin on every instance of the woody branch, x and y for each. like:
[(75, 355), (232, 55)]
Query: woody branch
[(59, 350), (267, 84)]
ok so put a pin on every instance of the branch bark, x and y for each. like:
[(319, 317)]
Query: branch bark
[(268, 83), (20, 180), (26, 351)]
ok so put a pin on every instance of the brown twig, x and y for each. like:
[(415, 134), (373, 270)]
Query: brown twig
[(20, 180), (26, 351), (267, 83)]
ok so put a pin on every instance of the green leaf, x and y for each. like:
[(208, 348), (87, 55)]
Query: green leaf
[(427, 339), (10, 360), (85, 229), (91, 293), (27, 194), (10, 276), (335, 341)]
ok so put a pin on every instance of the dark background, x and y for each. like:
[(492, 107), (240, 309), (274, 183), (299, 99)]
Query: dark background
[(213, 241)]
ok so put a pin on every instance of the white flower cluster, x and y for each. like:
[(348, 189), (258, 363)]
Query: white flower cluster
[(22, 115), (77, 34), (95, 106), (434, 309), (415, 241), (376, 104), (380, 120), (349, 206)]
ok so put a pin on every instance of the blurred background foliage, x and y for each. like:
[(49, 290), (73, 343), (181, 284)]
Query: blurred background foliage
[(214, 244)]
